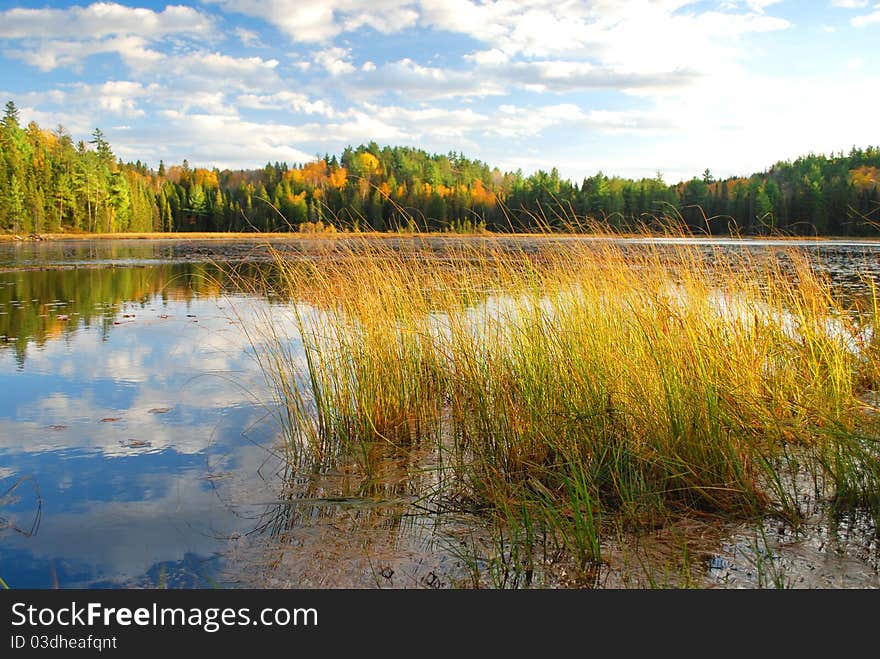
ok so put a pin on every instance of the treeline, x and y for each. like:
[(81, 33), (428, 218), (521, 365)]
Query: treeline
[(48, 183), (91, 297)]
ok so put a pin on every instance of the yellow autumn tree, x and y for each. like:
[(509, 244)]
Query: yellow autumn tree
[(865, 178), (481, 196), (368, 164), (205, 177), (338, 177), (315, 173)]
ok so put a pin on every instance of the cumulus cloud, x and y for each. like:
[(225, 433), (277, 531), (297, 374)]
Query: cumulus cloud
[(101, 19), (537, 45), (119, 97), (507, 120), (530, 28), (490, 57), (648, 32), (335, 60), (410, 79), (567, 75), (51, 38), (49, 55), (228, 140), (318, 21), (245, 72), (286, 100)]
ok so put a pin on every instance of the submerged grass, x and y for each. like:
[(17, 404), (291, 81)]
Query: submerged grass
[(584, 385)]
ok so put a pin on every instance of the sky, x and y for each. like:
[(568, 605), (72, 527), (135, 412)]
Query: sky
[(630, 88)]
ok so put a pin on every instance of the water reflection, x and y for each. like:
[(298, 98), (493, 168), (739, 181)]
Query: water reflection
[(126, 420), (127, 406)]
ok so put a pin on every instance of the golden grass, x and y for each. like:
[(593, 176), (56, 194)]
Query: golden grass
[(584, 381)]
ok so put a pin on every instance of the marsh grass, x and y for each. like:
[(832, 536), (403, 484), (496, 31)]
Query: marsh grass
[(581, 385)]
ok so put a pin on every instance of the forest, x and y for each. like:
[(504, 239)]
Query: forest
[(51, 184)]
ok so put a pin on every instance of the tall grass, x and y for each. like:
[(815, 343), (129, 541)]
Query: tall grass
[(581, 383)]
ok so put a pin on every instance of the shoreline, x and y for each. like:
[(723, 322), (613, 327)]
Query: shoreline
[(379, 235)]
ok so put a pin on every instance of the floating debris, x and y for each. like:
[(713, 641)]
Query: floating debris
[(58, 426), (134, 443), (159, 410), (110, 419), (62, 316), (218, 475)]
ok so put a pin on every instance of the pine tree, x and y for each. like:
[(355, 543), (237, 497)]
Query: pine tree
[(11, 115)]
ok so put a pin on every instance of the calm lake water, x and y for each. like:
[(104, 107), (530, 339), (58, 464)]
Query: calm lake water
[(134, 446)]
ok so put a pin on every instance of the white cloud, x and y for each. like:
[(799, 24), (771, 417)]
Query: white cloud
[(783, 119), (525, 122), (387, 16), (52, 38), (202, 71), (335, 60), (533, 28), (511, 121), (868, 19), (286, 101), (247, 37), (415, 81), (849, 4), (648, 35), (568, 75), (422, 123), (761, 5), (305, 21), (101, 19), (251, 70), (49, 55), (410, 79), (227, 140), (318, 21), (78, 123), (490, 57), (119, 97)]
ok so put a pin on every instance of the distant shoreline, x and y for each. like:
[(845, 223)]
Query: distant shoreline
[(379, 235)]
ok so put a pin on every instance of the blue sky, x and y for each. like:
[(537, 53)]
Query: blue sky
[(631, 88)]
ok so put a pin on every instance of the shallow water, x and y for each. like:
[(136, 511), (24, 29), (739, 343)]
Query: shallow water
[(135, 449)]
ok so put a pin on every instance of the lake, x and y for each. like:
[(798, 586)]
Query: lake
[(137, 446)]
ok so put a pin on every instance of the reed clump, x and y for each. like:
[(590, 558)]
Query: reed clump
[(570, 384)]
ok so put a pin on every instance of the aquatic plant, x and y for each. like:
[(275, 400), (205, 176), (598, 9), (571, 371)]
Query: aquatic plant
[(582, 383)]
